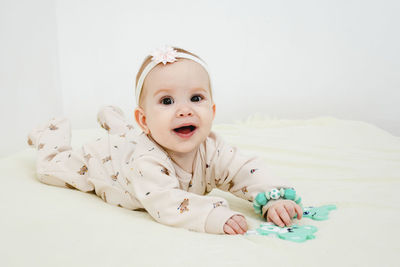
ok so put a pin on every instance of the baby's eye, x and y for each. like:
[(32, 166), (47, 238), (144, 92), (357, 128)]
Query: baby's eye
[(196, 98), (167, 101)]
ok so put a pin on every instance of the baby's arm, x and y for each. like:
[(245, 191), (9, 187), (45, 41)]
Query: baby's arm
[(245, 177), (157, 188)]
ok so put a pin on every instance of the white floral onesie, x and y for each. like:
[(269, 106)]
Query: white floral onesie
[(130, 170)]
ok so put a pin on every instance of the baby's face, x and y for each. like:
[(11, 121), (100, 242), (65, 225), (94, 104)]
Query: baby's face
[(177, 108)]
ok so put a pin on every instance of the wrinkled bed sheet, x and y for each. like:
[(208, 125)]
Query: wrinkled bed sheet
[(351, 164)]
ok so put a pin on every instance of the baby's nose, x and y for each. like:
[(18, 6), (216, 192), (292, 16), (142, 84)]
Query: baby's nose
[(183, 112)]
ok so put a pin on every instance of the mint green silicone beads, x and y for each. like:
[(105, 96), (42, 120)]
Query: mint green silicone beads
[(290, 194), (257, 208), (261, 199)]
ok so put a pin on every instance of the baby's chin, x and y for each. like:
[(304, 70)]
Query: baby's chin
[(186, 147), (183, 149)]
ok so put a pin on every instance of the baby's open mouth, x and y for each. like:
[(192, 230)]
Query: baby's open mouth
[(185, 129)]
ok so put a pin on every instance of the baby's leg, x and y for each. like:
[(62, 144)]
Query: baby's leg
[(57, 164), (113, 120)]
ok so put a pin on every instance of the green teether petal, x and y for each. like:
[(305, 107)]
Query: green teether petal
[(318, 213), (330, 207), (295, 233), (297, 200), (299, 233)]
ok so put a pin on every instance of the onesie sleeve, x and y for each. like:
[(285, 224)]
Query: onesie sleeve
[(242, 175), (157, 188)]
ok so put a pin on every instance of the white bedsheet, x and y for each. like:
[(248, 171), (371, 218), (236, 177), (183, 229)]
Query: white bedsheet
[(352, 164)]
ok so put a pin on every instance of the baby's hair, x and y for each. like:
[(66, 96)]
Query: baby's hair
[(147, 60)]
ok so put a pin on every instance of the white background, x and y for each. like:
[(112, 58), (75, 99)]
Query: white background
[(283, 59)]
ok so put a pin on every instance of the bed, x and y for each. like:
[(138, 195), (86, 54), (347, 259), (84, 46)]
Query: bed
[(352, 164)]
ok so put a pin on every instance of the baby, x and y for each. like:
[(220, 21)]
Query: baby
[(170, 166)]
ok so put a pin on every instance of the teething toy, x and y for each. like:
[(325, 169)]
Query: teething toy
[(295, 233), (263, 198), (318, 213)]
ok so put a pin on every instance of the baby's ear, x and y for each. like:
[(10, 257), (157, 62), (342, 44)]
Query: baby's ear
[(213, 108), (140, 118)]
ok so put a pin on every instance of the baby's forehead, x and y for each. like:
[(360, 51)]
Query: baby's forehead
[(184, 73), (181, 68)]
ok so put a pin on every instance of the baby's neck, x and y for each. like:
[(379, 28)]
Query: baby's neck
[(184, 160)]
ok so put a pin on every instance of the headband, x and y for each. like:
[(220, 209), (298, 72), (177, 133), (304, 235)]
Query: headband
[(165, 55)]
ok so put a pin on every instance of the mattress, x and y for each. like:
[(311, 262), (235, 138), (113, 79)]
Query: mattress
[(351, 164)]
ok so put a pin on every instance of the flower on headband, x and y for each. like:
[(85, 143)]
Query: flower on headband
[(164, 55)]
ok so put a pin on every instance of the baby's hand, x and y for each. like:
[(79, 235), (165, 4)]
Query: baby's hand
[(282, 212), (235, 225)]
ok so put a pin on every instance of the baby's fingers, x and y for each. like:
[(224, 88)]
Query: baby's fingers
[(228, 230), (290, 210), (235, 226), (299, 211), (274, 217), (241, 221), (284, 215)]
